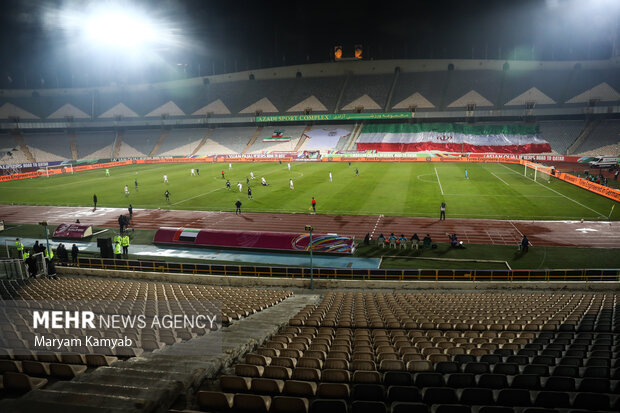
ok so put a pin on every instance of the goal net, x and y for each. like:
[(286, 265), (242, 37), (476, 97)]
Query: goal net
[(58, 169), (537, 172)]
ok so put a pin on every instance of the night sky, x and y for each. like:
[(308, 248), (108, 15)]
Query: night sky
[(225, 36)]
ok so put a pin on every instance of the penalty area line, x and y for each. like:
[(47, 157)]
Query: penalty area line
[(500, 178), (194, 197), (559, 193)]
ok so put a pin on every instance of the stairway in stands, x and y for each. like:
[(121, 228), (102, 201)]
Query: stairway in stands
[(301, 141), (251, 142), (73, 144), (202, 142), (162, 138), (23, 147)]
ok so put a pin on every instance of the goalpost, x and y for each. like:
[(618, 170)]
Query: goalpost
[(64, 169), (537, 172)]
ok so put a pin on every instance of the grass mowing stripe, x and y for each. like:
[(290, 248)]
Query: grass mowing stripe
[(500, 179), (438, 181), (559, 193)]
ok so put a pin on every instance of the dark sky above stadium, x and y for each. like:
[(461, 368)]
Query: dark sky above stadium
[(225, 36)]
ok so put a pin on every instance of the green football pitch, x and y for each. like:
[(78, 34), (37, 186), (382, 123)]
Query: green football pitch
[(496, 191)]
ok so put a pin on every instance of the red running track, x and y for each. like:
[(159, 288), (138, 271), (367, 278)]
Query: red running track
[(470, 231)]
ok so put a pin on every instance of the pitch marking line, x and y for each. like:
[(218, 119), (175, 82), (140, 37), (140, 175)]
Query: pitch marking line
[(197, 196), (438, 181), (500, 178), (520, 233), (559, 193)]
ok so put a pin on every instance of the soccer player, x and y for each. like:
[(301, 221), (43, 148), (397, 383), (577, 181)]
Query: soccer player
[(330, 176), (107, 172), (313, 204), (263, 182), (251, 175), (289, 167), (192, 172), (290, 184), (228, 184), (249, 193), (229, 166), (126, 190), (222, 174), (135, 182), (167, 195), (357, 172), (466, 174), (239, 186), (165, 179)]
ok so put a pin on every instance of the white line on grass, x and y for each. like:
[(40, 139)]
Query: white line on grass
[(436, 174), (553, 190), (500, 178), (197, 196), (520, 233)]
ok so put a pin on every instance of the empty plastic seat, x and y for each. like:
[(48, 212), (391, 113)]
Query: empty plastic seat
[(332, 406), (560, 383), (249, 370), (252, 402), (405, 407), (553, 399), (447, 367), (286, 404), (526, 381), (403, 394), (464, 358), (35, 368), (361, 406), (336, 376), (538, 369), (235, 384), (476, 396), (477, 368), (300, 388), (514, 397), (333, 391), (369, 392), (452, 408), (361, 376), (21, 383), (437, 395), (461, 380), (591, 401), (276, 372), (10, 366), (395, 378), (602, 372), (428, 379), (97, 360), (66, 371), (495, 409), (262, 385), (510, 369), (492, 381), (587, 384), (214, 400), (419, 365), (565, 371)]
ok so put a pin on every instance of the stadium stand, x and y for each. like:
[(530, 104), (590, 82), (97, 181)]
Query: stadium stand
[(560, 134), (293, 132), (227, 141), (321, 139), (140, 141), (427, 84), (460, 82), (47, 147), (325, 89), (94, 145), (602, 140), (404, 352), (375, 86), (181, 142)]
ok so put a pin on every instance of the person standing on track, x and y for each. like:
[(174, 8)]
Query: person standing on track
[(525, 244), (130, 209), (442, 211), (313, 205), (238, 206), (94, 202)]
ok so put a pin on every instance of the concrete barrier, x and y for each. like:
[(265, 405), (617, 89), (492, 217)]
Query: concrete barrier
[(322, 284)]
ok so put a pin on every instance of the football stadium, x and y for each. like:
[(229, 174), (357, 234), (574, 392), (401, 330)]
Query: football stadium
[(212, 208)]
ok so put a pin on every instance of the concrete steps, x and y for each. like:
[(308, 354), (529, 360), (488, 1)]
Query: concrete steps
[(162, 138), (23, 147), (252, 140)]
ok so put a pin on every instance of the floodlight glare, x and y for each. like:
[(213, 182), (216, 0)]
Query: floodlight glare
[(119, 29)]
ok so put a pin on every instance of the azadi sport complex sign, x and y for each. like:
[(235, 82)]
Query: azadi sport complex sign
[(338, 116)]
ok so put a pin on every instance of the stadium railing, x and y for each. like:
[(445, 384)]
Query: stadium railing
[(567, 275)]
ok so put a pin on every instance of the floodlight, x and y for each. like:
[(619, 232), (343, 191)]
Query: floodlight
[(119, 29)]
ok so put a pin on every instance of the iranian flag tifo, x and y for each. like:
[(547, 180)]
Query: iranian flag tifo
[(186, 235), (452, 137), (277, 136)]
